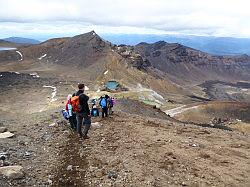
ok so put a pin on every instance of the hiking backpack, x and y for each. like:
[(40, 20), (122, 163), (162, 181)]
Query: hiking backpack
[(94, 112), (103, 102), (75, 103), (65, 114)]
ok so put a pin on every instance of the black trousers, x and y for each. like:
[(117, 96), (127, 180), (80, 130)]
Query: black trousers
[(104, 112), (72, 121)]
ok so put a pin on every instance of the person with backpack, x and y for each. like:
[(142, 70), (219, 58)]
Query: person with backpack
[(104, 105), (71, 114), (94, 111), (110, 106), (80, 105)]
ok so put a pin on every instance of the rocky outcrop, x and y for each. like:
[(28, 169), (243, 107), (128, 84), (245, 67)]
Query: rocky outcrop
[(12, 172), (6, 135), (132, 57)]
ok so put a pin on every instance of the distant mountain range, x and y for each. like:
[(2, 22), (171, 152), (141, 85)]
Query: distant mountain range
[(209, 44), (161, 60), (212, 45), (20, 40)]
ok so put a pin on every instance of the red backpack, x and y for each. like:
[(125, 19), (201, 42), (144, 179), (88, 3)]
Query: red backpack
[(74, 101)]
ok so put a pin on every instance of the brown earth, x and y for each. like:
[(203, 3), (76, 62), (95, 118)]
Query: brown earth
[(127, 150), (137, 146), (124, 150)]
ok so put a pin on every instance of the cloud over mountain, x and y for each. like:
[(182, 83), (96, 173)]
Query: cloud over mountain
[(222, 18)]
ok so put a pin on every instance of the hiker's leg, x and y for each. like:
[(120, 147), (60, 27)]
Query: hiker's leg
[(71, 121), (87, 124), (103, 112), (79, 119), (106, 112), (74, 120)]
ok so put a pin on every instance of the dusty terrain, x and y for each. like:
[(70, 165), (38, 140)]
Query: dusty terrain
[(139, 145), (136, 146), (126, 150)]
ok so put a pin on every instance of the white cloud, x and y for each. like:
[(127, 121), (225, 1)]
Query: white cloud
[(201, 17)]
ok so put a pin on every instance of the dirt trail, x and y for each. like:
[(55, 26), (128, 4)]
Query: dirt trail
[(72, 164), (131, 150)]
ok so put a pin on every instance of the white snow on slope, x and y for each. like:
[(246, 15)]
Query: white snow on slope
[(1, 75), (173, 112), (34, 75), (40, 58), (153, 94), (53, 93), (106, 72), (17, 73), (20, 55)]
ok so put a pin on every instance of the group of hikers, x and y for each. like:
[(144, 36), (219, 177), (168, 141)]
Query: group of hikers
[(78, 113)]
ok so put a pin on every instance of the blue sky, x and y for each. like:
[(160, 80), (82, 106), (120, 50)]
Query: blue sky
[(55, 18)]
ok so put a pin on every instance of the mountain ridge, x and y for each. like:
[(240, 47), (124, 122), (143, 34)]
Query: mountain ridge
[(21, 40), (210, 44)]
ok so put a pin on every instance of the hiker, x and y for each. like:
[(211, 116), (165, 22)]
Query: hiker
[(72, 115), (94, 111), (110, 105), (83, 116), (93, 102), (103, 103)]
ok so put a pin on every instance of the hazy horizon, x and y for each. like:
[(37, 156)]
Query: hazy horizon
[(43, 19)]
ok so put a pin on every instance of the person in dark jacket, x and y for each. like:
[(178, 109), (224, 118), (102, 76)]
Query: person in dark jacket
[(103, 104), (83, 117)]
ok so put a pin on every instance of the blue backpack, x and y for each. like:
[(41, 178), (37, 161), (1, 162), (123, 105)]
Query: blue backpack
[(103, 102), (95, 113), (65, 114)]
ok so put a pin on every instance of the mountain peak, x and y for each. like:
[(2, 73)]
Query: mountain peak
[(87, 36)]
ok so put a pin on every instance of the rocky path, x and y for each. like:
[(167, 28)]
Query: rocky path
[(129, 150), (72, 163)]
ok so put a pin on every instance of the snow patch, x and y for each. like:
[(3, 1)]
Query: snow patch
[(173, 112), (153, 94), (106, 72), (34, 75), (94, 33), (53, 95), (40, 58), (20, 55), (1, 75), (17, 73)]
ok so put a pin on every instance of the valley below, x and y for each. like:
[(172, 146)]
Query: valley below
[(166, 129)]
